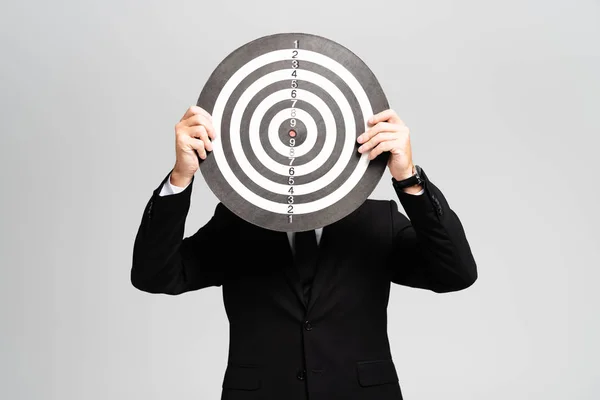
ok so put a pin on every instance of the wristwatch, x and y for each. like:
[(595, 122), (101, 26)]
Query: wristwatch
[(413, 180)]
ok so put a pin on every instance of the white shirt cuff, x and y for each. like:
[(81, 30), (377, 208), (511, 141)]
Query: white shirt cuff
[(168, 188)]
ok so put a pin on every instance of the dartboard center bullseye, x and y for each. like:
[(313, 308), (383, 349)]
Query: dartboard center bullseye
[(298, 132)]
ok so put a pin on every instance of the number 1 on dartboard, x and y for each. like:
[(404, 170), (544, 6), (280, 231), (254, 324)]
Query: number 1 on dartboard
[(292, 131)]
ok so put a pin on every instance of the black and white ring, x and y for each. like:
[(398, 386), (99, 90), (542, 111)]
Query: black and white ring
[(330, 93)]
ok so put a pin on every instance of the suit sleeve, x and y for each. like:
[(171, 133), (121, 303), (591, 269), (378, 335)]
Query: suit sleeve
[(166, 262), (430, 248)]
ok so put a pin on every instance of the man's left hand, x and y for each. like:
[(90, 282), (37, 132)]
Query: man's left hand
[(387, 132)]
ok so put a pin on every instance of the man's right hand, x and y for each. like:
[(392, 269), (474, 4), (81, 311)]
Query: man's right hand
[(193, 135)]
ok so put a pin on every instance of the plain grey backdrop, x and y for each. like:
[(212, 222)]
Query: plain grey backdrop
[(502, 100)]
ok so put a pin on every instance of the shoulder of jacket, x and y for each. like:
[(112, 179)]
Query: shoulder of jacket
[(378, 203)]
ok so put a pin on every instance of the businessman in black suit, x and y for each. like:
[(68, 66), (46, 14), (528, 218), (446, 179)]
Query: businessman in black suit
[(307, 310)]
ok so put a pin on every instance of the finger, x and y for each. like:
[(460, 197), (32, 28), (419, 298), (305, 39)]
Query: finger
[(198, 145), (204, 137), (199, 119), (195, 119), (193, 110), (192, 131), (198, 132), (210, 130), (379, 127), (204, 112), (380, 148), (375, 140), (386, 115)]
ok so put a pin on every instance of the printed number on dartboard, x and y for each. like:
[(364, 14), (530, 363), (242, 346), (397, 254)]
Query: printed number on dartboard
[(292, 131)]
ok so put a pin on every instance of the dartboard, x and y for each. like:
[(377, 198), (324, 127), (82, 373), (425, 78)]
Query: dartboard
[(287, 110)]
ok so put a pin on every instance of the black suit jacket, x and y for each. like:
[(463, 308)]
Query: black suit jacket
[(334, 347)]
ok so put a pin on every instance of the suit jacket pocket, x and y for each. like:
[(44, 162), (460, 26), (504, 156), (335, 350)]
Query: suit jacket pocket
[(241, 377), (376, 372)]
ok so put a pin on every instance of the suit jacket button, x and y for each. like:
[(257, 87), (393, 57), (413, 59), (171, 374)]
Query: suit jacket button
[(307, 326), (437, 205), (301, 375), (439, 209)]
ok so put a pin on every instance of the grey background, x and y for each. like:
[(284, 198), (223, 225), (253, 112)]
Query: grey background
[(502, 100)]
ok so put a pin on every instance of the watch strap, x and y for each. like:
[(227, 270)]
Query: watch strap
[(413, 180)]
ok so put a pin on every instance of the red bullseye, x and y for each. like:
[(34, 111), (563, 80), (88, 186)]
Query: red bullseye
[(292, 133)]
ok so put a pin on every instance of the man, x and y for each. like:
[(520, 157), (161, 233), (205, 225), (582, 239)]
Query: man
[(305, 326)]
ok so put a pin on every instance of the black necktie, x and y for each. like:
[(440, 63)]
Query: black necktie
[(305, 249)]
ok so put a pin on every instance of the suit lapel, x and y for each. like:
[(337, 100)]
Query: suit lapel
[(275, 246), (331, 243), (326, 263), (325, 267)]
